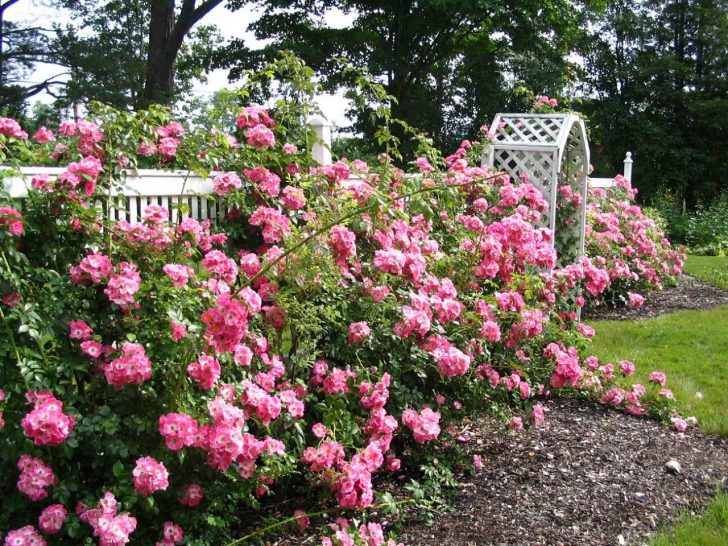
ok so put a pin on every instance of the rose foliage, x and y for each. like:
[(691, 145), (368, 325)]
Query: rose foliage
[(162, 376)]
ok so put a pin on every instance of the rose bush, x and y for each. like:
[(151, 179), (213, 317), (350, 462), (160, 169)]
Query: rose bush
[(160, 377), (628, 244)]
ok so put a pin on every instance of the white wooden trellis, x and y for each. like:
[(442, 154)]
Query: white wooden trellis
[(553, 151)]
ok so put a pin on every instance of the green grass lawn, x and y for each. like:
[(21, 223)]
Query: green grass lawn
[(691, 347), (709, 530), (711, 269)]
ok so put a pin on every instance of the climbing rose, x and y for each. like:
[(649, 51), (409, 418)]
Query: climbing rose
[(149, 476), (260, 137), (358, 332), (131, 368), (51, 518), (35, 477), (46, 424)]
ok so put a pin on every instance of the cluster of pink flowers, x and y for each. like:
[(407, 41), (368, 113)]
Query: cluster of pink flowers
[(123, 284), (149, 476), (51, 518), (92, 269), (11, 128), (110, 528), (275, 225), (46, 424), (451, 361), (358, 332), (171, 533), (11, 220), (293, 198), (25, 536), (254, 115), (178, 274), (223, 184), (226, 323), (179, 430), (205, 371), (267, 182), (567, 370), (260, 137), (543, 100), (131, 368), (35, 477), (425, 425)]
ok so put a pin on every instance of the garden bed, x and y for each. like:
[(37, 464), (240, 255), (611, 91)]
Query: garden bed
[(688, 293), (588, 475)]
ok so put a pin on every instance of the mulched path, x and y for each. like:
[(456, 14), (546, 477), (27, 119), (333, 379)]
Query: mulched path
[(588, 475), (689, 293)]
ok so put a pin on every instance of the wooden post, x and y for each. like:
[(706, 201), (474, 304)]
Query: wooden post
[(322, 147)]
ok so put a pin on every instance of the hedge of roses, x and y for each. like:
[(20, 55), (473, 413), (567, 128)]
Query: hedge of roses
[(628, 244), (159, 377)]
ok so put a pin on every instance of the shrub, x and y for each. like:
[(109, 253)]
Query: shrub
[(161, 376), (629, 244)]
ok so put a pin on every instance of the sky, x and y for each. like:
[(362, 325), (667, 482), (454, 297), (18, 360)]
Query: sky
[(231, 25)]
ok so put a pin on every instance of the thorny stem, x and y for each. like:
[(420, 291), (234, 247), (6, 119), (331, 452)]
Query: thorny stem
[(296, 518), (355, 212), (38, 342)]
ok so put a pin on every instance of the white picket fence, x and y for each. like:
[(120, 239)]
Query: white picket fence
[(182, 192)]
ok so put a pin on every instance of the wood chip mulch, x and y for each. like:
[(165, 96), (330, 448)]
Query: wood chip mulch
[(588, 475), (688, 293)]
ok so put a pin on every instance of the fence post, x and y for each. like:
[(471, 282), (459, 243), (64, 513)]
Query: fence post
[(628, 166), (322, 147)]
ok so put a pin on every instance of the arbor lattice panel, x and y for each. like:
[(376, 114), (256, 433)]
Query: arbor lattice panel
[(552, 150)]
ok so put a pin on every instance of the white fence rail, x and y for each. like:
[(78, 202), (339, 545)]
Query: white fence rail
[(181, 190)]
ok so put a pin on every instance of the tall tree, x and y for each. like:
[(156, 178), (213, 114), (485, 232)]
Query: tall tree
[(657, 82), (22, 48), (167, 31), (118, 52)]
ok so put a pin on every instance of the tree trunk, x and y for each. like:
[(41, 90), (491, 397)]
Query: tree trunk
[(159, 85), (166, 34)]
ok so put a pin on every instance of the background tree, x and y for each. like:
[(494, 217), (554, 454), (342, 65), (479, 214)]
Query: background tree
[(113, 50), (447, 63), (22, 48), (657, 74)]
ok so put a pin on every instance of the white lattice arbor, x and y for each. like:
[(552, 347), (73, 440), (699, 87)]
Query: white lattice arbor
[(552, 149)]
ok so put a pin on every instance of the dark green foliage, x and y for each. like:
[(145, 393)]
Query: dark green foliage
[(657, 75), (449, 65)]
